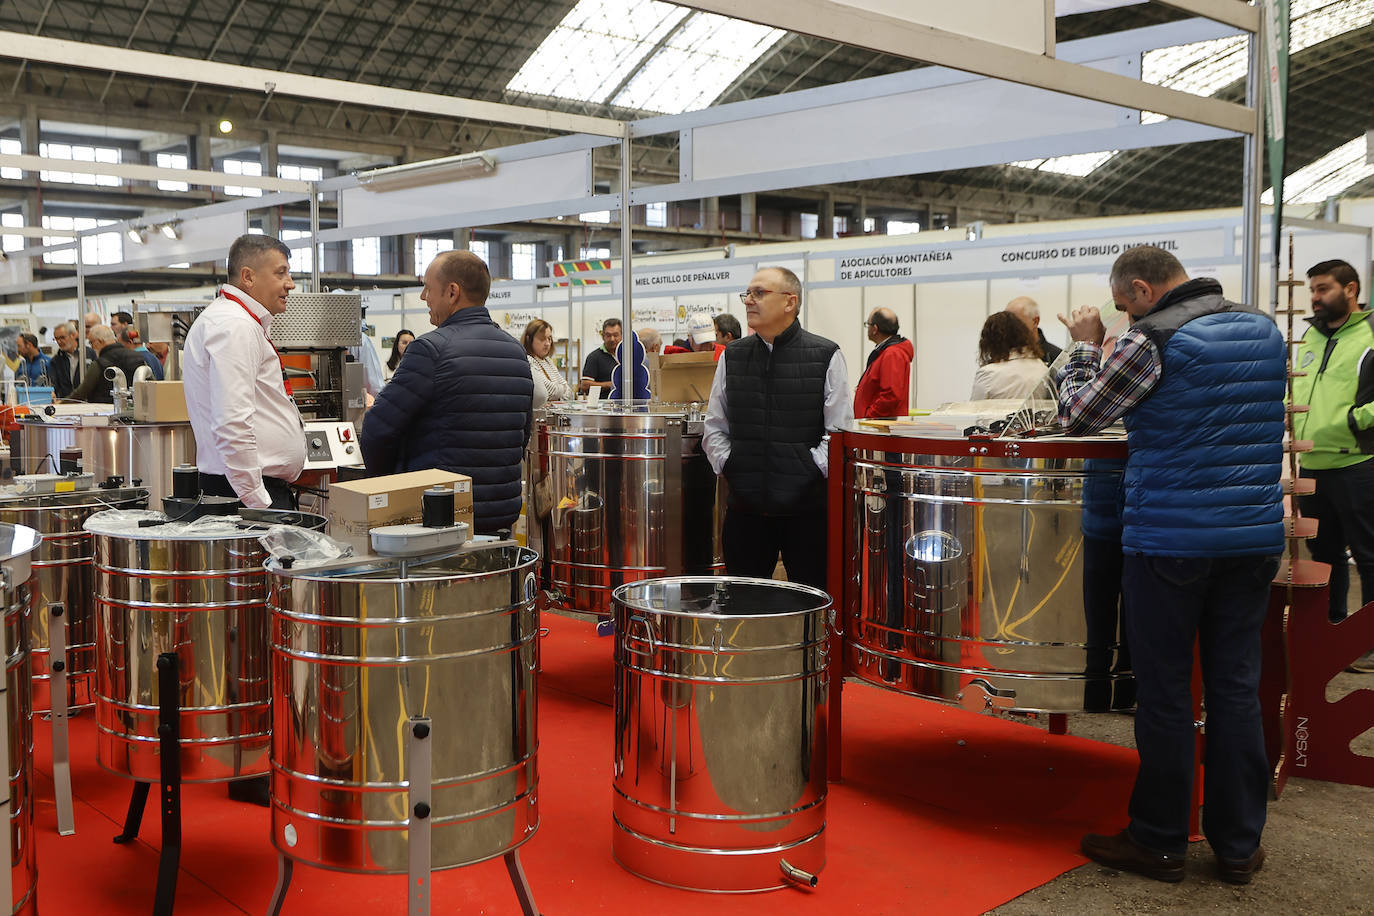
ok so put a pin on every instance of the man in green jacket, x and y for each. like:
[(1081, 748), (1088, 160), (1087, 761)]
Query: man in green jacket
[(1338, 387)]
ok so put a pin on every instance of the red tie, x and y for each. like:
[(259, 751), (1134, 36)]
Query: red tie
[(232, 298)]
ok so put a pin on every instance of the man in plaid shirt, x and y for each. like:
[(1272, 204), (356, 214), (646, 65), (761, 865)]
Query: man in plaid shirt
[(1200, 383)]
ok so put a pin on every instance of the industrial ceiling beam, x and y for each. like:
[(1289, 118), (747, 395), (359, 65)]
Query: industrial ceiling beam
[(152, 173), (1232, 12), (254, 79), (891, 35)]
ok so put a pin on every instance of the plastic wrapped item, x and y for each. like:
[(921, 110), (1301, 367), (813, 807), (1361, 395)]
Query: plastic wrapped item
[(122, 522), (302, 546)]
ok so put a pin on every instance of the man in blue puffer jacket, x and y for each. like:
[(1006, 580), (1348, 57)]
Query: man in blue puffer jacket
[(1199, 382), (461, 400)]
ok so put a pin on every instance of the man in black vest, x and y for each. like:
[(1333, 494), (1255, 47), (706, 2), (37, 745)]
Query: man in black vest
[(775, 394), (461, 399)]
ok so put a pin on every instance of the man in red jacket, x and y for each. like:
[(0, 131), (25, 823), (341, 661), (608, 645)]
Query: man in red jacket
[(885, 385)]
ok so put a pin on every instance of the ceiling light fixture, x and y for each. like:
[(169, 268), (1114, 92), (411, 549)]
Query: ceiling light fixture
[(226, 126), (428, 172), (137, 234), (171, 230)]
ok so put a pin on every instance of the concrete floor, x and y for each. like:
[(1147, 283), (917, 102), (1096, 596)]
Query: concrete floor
[(1319, 842)]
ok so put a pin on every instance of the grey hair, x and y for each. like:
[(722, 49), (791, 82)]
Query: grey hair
[(248, 249), (102, 334), (1145, 262)]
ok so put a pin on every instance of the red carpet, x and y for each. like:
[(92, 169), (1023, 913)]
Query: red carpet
[(941, 810)]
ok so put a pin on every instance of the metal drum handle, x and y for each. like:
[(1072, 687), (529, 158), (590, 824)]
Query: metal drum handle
[(648, 636)]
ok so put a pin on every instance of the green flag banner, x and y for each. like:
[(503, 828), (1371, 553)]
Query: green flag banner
[(1275, 31)]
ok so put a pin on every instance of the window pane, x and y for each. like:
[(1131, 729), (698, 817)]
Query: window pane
[(301, 258), (522, 261), (367, 256), (172, 161), (242, 167), (427, 250)]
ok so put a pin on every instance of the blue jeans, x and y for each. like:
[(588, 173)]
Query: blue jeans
[(1219, 602)]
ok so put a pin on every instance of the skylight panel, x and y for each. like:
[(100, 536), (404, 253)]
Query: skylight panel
[(595, 48), (1078, 165), (1343, 167), (1207, 67), (696, 64)]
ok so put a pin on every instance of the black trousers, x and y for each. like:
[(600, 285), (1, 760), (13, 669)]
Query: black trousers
[(1344, 507), (752, 543), (278, 489)]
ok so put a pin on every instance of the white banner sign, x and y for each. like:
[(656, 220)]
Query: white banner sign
[(511, 295), (1024, 258), (725, 276)]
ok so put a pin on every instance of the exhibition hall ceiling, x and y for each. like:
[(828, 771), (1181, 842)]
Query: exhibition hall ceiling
[(629, 58)]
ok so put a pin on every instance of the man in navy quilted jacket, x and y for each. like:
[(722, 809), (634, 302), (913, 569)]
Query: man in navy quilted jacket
[(461, 400)]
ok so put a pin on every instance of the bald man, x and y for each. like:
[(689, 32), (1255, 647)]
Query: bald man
[(1024, 307), (461, 399), (884, 388), (93, 321)]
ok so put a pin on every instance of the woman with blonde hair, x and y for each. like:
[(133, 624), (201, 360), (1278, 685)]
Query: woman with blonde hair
[(538, 341)]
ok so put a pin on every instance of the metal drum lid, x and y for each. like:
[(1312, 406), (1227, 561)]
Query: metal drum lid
[(725, 596)]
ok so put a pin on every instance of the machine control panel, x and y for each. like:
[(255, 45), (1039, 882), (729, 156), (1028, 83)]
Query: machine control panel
[(330, 444)]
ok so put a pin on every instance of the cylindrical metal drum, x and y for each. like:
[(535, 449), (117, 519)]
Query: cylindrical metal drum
[(720, 700), (63, 573), (358, 648), (988, 574), (146, 452), (17, 546), (199, 591), (620, 493)]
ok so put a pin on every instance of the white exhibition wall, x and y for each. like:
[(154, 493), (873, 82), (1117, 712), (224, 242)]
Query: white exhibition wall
[(955, 285)]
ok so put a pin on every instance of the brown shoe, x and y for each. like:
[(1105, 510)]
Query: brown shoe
[(1123, 853), (1240, 871)]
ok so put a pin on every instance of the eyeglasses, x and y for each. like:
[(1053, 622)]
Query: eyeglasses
[(755, 293)]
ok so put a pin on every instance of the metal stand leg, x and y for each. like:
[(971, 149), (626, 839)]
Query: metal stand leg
[(134, 818), (419, 776), (168, 729), (521, 883), (57, 687), (284, 867)]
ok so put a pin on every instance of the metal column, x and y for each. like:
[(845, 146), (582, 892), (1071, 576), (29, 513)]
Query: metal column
[(627, 389), (1252, 182), (317, 250)]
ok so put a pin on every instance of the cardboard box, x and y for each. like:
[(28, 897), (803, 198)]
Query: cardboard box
[(160, 402), (686, 377), (358, 506)]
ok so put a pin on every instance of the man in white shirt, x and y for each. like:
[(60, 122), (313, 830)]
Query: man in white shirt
[(250, 441), (767, 433)]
